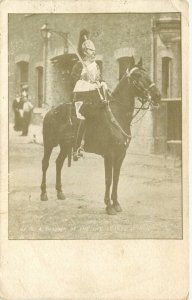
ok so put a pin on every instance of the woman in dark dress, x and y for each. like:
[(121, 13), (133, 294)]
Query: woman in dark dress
[(17, 108)]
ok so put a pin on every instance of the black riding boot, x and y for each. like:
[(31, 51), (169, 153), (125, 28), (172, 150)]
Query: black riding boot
[(78, 147)]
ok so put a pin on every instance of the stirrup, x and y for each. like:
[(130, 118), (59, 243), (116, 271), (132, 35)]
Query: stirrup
[(77, 154), (80, 150)]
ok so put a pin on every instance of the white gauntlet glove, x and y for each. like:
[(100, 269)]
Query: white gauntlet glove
[(104, 85)]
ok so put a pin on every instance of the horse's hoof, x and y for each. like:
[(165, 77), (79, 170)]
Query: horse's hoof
[(110, 210), (44, 197), (106, 201), (117, 207), (60, 196)]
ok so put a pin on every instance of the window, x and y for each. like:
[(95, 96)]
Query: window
[(123, 65), (166, 75), (40, 86), (174, 106), (23, 73)]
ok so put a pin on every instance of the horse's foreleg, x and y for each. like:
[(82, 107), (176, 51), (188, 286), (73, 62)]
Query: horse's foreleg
[(108, 181), (116, 172), (59, 164), (45, 165)]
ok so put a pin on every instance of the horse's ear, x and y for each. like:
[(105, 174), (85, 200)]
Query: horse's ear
[(140, 63), (131, 63)]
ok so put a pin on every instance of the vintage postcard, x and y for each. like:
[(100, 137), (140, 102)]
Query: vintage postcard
[(94, 149)]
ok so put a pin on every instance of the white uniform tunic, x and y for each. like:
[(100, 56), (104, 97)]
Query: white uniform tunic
[(86, 83), (89, 75)]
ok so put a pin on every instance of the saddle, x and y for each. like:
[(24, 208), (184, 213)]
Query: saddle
[(102, 130)]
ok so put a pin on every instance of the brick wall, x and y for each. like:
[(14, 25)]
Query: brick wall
[(111, 34)]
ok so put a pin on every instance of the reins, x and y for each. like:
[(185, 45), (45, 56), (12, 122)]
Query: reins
[(143, 101), (116, 123)]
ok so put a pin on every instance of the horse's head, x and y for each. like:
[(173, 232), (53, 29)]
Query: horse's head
[(142, 84)]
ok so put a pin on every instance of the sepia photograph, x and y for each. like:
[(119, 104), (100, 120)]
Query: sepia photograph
[(94, 149), (95, 126)]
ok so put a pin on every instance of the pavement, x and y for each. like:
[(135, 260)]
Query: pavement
[(150, 193)]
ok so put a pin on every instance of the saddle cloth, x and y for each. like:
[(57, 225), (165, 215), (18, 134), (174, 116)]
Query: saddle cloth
[(101, 132)]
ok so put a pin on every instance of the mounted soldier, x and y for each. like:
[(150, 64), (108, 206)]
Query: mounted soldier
[(87, 85), (107, 134)]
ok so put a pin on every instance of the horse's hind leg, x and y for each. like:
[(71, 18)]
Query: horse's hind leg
[(45, 165), (59, 164), (108, 180)]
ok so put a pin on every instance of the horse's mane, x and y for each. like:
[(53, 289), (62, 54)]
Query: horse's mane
[(119, 84), (121, 89)]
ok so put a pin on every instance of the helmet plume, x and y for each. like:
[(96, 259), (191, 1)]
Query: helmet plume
[(84, 35)]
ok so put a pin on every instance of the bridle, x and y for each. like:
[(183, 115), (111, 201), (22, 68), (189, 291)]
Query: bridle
[(145, 98), (144, 91)]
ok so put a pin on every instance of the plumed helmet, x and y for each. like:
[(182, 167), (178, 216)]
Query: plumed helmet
[(84, 42), (88, 44)]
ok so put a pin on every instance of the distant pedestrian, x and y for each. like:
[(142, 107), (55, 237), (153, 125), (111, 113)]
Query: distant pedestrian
[(27, 112), (24, 91), (17, 108)]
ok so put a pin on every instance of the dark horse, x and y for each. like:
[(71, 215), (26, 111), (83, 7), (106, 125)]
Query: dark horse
[(58, 130)]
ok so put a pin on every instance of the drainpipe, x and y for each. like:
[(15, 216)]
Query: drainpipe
[(154, 50)]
